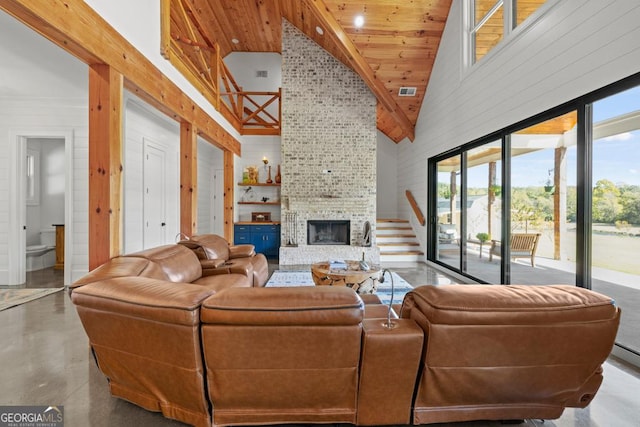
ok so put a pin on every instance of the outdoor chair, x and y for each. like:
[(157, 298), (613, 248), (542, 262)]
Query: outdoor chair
[(523, 245), (447, 233)]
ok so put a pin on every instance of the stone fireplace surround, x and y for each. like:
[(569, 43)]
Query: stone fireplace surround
[(328, 146), (356, 210)]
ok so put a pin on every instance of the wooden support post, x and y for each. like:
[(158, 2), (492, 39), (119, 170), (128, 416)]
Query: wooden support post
[(105, 163), (229, 185), (559, 202), (188, 178), (491, 198)]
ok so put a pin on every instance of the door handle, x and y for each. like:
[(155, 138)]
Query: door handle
[(163, 224)]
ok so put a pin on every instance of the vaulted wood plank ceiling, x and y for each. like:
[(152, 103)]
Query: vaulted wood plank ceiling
[(396, 47)]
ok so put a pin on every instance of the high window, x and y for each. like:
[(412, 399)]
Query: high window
[(491, 21)]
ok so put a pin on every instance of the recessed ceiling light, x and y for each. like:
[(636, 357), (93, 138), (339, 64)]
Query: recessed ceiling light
[(235, 41), (319, 30), (358, 21)]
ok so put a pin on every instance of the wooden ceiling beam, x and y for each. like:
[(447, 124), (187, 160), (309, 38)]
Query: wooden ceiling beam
[(360, 65)]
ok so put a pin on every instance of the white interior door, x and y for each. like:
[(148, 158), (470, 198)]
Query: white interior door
[(218, 202), (154, 196)]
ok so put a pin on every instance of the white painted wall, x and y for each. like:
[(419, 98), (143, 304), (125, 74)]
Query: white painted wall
[(576, 47), (388, 195), (143, 124)]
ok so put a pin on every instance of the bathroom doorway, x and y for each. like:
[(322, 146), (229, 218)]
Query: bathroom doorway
[(41, 199)]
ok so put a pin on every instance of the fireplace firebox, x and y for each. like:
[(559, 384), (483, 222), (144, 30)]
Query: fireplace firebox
[(328, 232)]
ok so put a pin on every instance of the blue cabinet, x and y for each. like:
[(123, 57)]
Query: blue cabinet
[(265, 238)]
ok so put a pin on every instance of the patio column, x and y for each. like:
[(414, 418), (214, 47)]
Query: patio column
[(559, 202), (453, 188), (491, 195)]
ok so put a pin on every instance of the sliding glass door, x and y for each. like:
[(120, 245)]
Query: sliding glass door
[(551, 200), (543, 202), (615, 230), (448, 215), (483, 216)]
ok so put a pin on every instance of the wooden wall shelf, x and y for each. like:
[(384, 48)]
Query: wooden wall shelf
[(259, 184), (259, 203)]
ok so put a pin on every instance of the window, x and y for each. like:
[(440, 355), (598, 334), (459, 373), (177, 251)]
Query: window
[(492, 20), (33, 177)]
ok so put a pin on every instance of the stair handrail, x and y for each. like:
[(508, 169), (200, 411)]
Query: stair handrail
[(415, 207)]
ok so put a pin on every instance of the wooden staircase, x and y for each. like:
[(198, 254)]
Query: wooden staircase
[(397, 241)]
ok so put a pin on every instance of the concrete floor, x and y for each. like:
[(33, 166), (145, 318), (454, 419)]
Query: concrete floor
[(45, 360)]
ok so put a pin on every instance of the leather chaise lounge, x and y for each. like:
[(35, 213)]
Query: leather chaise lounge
[(215, 350)]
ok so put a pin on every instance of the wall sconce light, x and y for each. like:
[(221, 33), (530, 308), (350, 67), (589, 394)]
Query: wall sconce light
[(265, 160)]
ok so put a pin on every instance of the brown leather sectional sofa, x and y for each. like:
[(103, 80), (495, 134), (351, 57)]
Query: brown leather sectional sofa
[(211, 350)]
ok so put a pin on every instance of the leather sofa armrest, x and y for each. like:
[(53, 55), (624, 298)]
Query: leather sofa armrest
[(389, 367), (208, 264), (241, 251)]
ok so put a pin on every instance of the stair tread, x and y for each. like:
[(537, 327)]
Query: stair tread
[(399, 243), (391, 220), (394, 228), (395, 235), (402, 253)]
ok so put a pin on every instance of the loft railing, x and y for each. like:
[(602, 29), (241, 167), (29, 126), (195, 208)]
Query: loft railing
[(257, 113), (250, 112)]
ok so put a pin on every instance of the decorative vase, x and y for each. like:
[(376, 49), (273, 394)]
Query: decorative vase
[(269, 180), (278, 177)]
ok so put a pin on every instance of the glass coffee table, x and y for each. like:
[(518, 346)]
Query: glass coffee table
[(353, 276)]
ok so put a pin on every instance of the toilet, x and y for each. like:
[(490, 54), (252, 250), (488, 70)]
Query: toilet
[(41, 255)]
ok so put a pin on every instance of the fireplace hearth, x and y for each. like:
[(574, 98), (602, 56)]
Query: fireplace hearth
[(328, 232)]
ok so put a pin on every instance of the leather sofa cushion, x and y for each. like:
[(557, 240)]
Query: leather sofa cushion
[(304, 305), (177, 263), (513, 304), (219, 282), (146, 298)]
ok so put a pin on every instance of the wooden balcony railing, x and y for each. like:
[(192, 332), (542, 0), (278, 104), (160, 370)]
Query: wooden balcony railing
[(250, 112), (257, 113)]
